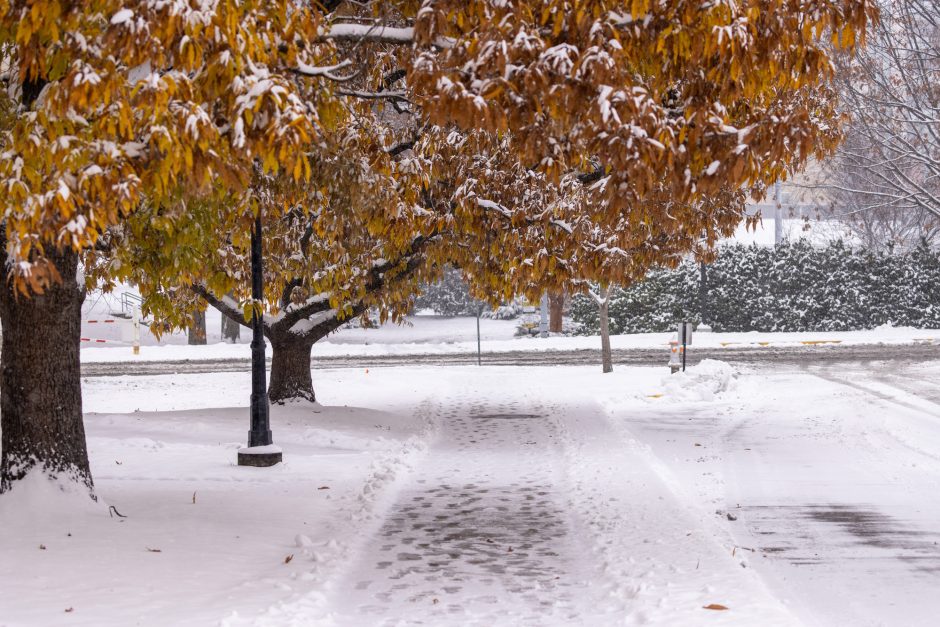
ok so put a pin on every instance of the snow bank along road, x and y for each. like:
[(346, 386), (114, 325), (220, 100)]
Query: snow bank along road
[(633, 356), (802, 494)]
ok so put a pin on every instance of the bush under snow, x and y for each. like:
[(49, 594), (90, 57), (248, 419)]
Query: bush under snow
[(793, 287)]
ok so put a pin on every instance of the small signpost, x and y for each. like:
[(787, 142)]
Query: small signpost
[(479, 351), (685, 338), (136, 323)]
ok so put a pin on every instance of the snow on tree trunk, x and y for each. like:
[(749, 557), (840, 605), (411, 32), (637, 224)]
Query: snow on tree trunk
[(556, 307), (40, 380), (606, 358), (197, 330), (231, 330), (290, 369)]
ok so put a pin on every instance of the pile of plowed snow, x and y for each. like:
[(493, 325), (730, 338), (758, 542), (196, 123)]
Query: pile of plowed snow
[(700, 382)]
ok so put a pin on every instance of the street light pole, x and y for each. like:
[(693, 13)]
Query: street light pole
[(259, 436)]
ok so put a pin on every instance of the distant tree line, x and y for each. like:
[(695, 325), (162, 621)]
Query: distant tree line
[(793, 287)]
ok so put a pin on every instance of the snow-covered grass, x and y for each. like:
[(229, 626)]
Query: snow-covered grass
[(203, 539)]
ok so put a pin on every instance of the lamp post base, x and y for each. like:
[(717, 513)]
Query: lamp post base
[(260, 456)]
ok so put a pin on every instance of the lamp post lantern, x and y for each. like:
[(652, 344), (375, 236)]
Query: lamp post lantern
[(261, 450)]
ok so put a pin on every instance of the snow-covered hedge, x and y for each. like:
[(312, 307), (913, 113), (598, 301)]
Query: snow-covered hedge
[(450, 296), (794, 287)]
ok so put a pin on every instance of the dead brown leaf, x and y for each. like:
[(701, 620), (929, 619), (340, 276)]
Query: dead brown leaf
[(714, 606), (288, 558)]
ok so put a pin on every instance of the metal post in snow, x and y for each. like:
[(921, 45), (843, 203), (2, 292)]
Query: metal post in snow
[(778, 215), (479, 352), (259, 435), (136, 323), (685, 327)]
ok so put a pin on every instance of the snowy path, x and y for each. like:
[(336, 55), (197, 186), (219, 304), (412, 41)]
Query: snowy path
[(536, 512), (482, 536)]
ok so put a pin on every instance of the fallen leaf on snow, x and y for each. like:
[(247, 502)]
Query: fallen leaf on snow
[(154, 550), (288, 558), (714, 606), (70, 609), (324, 487)]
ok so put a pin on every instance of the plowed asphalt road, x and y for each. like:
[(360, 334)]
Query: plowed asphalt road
[(766, 355)]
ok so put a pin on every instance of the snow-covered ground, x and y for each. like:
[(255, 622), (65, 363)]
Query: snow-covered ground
[(497, 496)]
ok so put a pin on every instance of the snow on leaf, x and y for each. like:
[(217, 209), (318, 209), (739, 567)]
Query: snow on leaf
[(122, 16)]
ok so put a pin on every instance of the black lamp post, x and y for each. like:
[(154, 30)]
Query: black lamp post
[(260, 433)]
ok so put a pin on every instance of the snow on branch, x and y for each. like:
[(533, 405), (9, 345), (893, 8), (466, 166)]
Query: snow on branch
[(375, 33), (397, 96), (292, 314), (225, 305), (493, 206), (328, 71), (506, 213)]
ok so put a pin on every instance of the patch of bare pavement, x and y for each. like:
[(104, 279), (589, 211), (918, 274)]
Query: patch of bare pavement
[(634, 357), (820, 535)]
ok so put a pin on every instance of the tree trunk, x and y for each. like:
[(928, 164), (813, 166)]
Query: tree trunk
[(606, 358), (290, 369), (40, 380), (556, 309), (231, 330), (197, 331)]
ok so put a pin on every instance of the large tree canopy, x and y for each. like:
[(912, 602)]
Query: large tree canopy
[(588, 136)]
